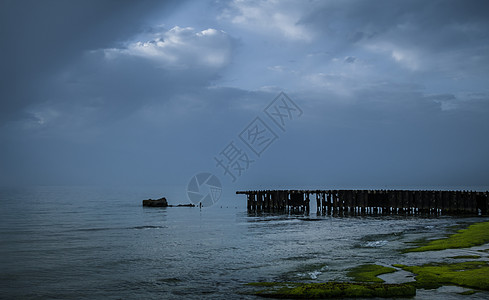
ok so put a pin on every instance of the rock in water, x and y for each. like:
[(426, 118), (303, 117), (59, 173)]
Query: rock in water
[(156, 203)]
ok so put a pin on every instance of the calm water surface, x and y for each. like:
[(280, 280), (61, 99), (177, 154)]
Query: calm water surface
[(93, 243)]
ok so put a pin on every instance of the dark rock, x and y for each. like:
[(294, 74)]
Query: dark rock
[(183, 205), (156, 203), (186, 205)]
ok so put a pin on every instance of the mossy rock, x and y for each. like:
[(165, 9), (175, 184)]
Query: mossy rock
[(471, 274), (474, 235), (369, 273), (336, 290)]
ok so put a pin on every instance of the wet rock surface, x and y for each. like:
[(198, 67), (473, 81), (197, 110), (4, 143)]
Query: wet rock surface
[(156, 203)]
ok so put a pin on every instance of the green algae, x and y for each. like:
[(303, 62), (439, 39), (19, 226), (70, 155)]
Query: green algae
[(471, 274), (369, 273), (467, 293), (474, 235), (466, 257), (336, 290)]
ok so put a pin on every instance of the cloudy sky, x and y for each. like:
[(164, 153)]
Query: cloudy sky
[(393, 94)]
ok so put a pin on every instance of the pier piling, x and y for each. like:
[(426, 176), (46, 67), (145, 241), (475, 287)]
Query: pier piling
[(370, 201)]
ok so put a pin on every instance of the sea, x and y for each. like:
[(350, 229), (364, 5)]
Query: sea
[(100, 243)]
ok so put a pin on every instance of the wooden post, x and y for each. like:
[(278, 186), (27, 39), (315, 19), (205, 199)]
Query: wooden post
[(437, 195), (323, 202), (445, 200), (318, 203), (351, 204), (361, 201), (341, 201), (335, 201), (392, 201), (386, 204), (307, 202), (330, 202), (374, 200), (473, 203), (286, 194)]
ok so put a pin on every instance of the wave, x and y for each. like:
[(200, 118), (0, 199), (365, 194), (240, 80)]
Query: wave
[(375, 244)]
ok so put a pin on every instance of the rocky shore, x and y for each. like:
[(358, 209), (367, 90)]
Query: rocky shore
[(472, 274)]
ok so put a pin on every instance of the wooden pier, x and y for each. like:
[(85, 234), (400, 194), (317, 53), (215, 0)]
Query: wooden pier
[(370, 201)]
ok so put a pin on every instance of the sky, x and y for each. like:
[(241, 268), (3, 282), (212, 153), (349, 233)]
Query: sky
[(378, 94)]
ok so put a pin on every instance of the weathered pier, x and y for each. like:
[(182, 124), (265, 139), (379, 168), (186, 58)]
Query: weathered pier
[(370, 201)]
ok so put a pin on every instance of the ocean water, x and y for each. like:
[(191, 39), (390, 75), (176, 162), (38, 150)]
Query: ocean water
[(100, 243)]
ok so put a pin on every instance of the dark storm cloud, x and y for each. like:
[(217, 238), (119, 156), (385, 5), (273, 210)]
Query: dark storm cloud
[(106, 85), (368, 19), (459, 29), (39, 37)]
